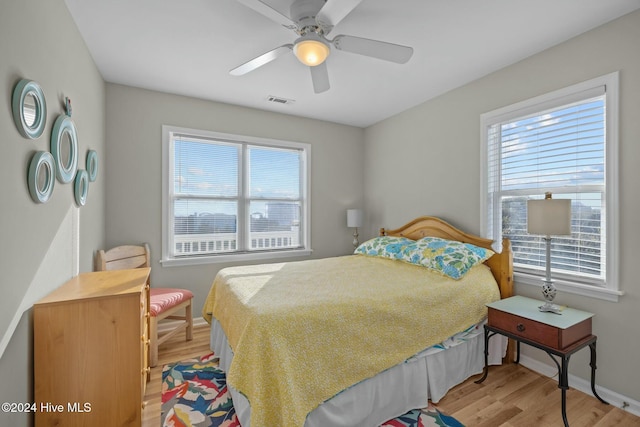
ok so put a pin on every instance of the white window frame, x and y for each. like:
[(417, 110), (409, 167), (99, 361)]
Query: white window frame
[(610, 289), (167, 205)]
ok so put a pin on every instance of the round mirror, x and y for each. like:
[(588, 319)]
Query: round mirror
[(43, 178), (40, 178), (64, 148), (92, 165), (81, 187), (29, 108)]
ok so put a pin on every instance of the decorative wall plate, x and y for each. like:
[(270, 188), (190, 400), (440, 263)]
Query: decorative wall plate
[(40, 177), (29, 108)]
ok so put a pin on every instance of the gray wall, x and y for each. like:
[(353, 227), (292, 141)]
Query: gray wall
[(39, 41), (433, 150), (134, 137)]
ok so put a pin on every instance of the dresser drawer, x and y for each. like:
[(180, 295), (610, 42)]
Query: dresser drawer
[(547, 335)]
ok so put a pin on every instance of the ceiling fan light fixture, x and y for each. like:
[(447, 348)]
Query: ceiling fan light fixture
[(311, 50)]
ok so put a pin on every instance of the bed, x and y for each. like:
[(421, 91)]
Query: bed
[(359, 339)]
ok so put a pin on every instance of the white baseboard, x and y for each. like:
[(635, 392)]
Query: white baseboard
[(167, 325), (616, 399)]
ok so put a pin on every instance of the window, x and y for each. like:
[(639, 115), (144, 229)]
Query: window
[(231, 197), (564, 142)]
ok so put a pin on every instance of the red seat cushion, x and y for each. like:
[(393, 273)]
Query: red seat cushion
[(162, 299)]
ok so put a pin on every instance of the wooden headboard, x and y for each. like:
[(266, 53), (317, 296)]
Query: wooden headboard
[(501, 264)]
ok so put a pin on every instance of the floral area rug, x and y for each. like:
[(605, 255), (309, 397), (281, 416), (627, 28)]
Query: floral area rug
[(194, 394)]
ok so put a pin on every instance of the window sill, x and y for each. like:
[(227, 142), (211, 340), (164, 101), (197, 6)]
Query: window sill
[(213, 259), (571, 287)]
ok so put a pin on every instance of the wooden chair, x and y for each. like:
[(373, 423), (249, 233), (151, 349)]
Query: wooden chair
[(164, 303)]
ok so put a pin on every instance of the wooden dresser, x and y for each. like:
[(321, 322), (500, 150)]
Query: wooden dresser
[(90, 347)]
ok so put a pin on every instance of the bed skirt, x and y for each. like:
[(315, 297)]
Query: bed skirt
[(408, 385)]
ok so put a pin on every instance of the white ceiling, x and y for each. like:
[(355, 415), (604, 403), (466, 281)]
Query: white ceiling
[(187, 47)]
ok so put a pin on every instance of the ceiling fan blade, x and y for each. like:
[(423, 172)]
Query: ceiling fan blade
[(333, 12), (320, 78), (374, 48), (266, 10), (261, 60)]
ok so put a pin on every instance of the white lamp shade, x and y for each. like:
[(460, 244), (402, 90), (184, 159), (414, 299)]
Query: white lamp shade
[(311, 50), (355, 218), (550, 217)]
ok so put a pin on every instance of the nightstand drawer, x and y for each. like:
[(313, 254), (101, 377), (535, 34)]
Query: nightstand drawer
[(545, 334)]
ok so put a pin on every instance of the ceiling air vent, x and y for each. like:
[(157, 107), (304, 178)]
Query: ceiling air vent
[(279, 100)]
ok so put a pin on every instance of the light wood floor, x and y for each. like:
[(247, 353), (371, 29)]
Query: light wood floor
[(511, 396), (514, 396)]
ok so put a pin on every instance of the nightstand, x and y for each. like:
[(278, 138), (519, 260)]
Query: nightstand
[(558, 335)]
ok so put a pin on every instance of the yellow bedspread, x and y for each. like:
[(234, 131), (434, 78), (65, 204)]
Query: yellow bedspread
[(302, 332)]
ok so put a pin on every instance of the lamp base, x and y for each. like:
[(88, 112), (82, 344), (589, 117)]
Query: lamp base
[(549, 293), (551, 308), (355, 238)]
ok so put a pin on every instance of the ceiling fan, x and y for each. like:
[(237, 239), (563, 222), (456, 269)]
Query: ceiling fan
[(312, 21)]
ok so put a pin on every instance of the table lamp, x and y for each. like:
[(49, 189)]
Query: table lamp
[(549, 217), (354, 220)]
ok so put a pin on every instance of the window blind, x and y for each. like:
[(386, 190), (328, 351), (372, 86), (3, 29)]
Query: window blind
[(559, 149), (274, 197), (234, 197)]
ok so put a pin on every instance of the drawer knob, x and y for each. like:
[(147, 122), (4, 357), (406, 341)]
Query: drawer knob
[(520, 327)]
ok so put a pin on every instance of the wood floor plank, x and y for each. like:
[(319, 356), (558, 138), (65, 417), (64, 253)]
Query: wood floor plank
[(589, 417), (511, 396), (491, 418), (519, 380), (472, 410), (529, 392), (618, 418)]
